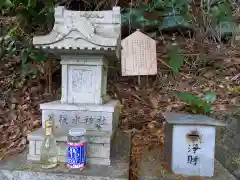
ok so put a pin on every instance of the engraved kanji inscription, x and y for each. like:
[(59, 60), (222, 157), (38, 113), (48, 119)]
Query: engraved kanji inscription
[(100, 121), (63, 119), (88, 120), (81, 81), (76, 119)]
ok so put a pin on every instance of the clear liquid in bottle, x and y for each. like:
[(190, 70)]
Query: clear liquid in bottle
[(49, 149)]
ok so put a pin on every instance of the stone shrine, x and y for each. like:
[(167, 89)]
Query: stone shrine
[(85, 41)]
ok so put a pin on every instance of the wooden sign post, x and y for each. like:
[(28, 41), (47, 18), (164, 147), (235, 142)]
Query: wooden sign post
[(138, 55)]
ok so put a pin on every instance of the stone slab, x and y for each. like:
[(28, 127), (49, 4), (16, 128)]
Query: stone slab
[(153, 166), (19, 168), (62, 159), (60, 134), (94, 150), (228, 143), (190, 119), (98, 149), (90, 116)]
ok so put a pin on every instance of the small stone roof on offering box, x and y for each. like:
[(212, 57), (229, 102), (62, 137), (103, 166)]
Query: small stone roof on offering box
[(83, 30), (190, 119)]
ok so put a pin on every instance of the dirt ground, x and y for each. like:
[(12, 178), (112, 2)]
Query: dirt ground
[(142, 104)]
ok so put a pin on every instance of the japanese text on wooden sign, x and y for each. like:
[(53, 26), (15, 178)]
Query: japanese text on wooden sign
[(138, 55)]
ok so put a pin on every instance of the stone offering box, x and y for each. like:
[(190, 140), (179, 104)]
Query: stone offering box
[(86, 41), (190, 144)]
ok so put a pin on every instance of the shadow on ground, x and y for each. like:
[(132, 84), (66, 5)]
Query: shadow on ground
[(228, 142)]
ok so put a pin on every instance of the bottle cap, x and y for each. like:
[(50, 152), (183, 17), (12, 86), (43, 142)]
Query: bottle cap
[(77, 132)]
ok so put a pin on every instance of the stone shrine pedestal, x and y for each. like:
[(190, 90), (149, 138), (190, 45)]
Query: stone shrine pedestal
[(100, 121), (103, 118), (86, 41), (19, 168)]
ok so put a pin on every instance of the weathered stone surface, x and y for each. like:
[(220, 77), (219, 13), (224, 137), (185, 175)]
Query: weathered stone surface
[(154, 167), (197, 155), (85, 41), (192, 136), (18, 168), (3, 177), (84, 79), (190, 119), (77, 30), (62, 159), (98, 147), (90, 116), (61, 135), (228, 143), (98, 153), (94, 150)]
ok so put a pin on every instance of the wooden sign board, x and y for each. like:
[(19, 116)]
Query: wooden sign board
[(138, 55)]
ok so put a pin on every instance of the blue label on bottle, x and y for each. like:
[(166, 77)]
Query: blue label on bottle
[(76, 156)]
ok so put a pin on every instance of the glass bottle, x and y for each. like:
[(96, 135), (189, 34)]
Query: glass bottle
[(49, 149)]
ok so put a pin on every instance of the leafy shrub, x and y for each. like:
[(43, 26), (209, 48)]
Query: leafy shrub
[(196, 104), (31, 15), (175, 58)]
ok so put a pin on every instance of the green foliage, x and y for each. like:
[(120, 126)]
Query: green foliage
[(217, 15), (221, 11), (173, 21), (5, 3), (30, 14), (29, 54), (175, 58), (136, 19), (220, 16), (196, 104), (210, 97), (168, 13), (7, 47), (172, 13)]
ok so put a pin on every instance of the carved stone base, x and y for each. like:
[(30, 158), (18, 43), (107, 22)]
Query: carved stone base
[(89, 116), (98, 150), (19, 168)]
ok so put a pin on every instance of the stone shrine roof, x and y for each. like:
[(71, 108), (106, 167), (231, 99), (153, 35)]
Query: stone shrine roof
[(83, 30), (190, 119)]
